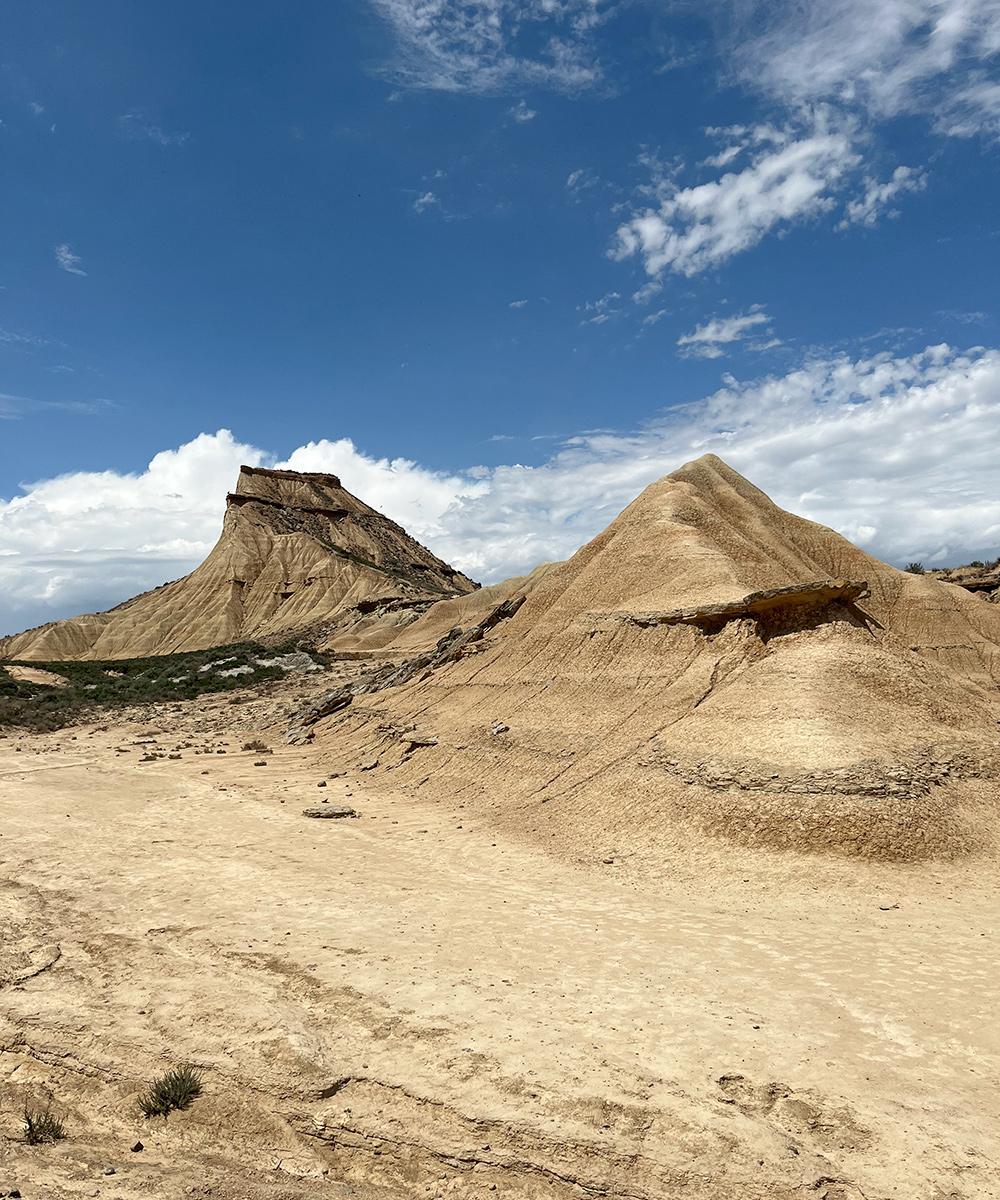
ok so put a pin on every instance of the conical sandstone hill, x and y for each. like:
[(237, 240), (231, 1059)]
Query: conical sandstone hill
[(297, 552), (635, 699)]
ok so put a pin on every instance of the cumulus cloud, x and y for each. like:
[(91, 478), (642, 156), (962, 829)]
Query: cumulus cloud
[(885, 57), (427, 200), (68, 260), (87, 540), (707, 340), (789, 176), (455, 46), (897, 453)]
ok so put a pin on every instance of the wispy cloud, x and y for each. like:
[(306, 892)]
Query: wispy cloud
[(457, 46), (600, 310), (707, 340), (517, 303), (68, 260), (12, 407), (136, 125), (790, 176), (521, 112), (37, 109), (873, 204), (25, 340), (882, 57)]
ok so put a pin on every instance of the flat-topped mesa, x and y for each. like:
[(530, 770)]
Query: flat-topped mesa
[(817, 594), (318, 506), (295, 489)]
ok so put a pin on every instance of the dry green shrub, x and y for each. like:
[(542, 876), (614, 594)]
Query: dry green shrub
[(176, 1089)]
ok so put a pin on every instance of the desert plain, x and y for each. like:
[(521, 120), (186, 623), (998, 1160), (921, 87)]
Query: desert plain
[(641, 899)]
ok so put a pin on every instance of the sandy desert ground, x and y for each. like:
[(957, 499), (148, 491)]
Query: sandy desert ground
[(418, 1003)]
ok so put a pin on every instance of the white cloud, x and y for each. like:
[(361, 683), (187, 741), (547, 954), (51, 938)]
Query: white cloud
[(867, 209), (9, 338), (427, 200), (137, 126), (647, 292), (790, 177), (708, 339), (601, 310), (517, 303), (897, 453), (68, 260), (521, 112), (457, 46), (581, 180), (887, 57)]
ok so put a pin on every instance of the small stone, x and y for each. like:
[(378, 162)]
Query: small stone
[(137, 1147), (322, 783), (109, 1171)]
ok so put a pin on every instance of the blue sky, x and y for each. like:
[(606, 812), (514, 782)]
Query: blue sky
[(500, 263)]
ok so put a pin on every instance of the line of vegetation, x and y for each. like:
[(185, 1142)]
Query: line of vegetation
[(155, 679)]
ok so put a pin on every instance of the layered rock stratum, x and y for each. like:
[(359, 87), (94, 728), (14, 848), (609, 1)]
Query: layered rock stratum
[(298, 552)]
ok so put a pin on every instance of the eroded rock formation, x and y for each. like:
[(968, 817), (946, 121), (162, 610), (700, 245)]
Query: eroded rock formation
[(709, 667), (297, 552)]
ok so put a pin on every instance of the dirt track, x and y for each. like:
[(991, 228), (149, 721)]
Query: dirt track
[(415, 1001)]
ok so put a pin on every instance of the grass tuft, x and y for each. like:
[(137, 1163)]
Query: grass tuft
[(257, 746), (42, 1126), (176, 1089)]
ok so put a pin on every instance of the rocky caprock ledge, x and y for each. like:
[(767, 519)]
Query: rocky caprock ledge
[(797, 595)]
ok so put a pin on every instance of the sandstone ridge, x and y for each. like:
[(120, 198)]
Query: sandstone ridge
[(298, 552)]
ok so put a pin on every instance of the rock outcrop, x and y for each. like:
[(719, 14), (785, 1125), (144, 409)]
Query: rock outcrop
[(982, 579), (297, 553)]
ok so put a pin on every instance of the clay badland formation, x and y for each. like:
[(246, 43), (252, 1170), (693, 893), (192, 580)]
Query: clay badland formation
[(297, 552), (673, 876)]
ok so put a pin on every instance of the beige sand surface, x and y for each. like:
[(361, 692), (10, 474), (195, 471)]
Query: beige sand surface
[(419, 1002)]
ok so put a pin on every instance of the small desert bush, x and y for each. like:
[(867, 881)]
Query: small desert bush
[(42, 1126), (916, 568), (176, 1089), (257, 746)]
